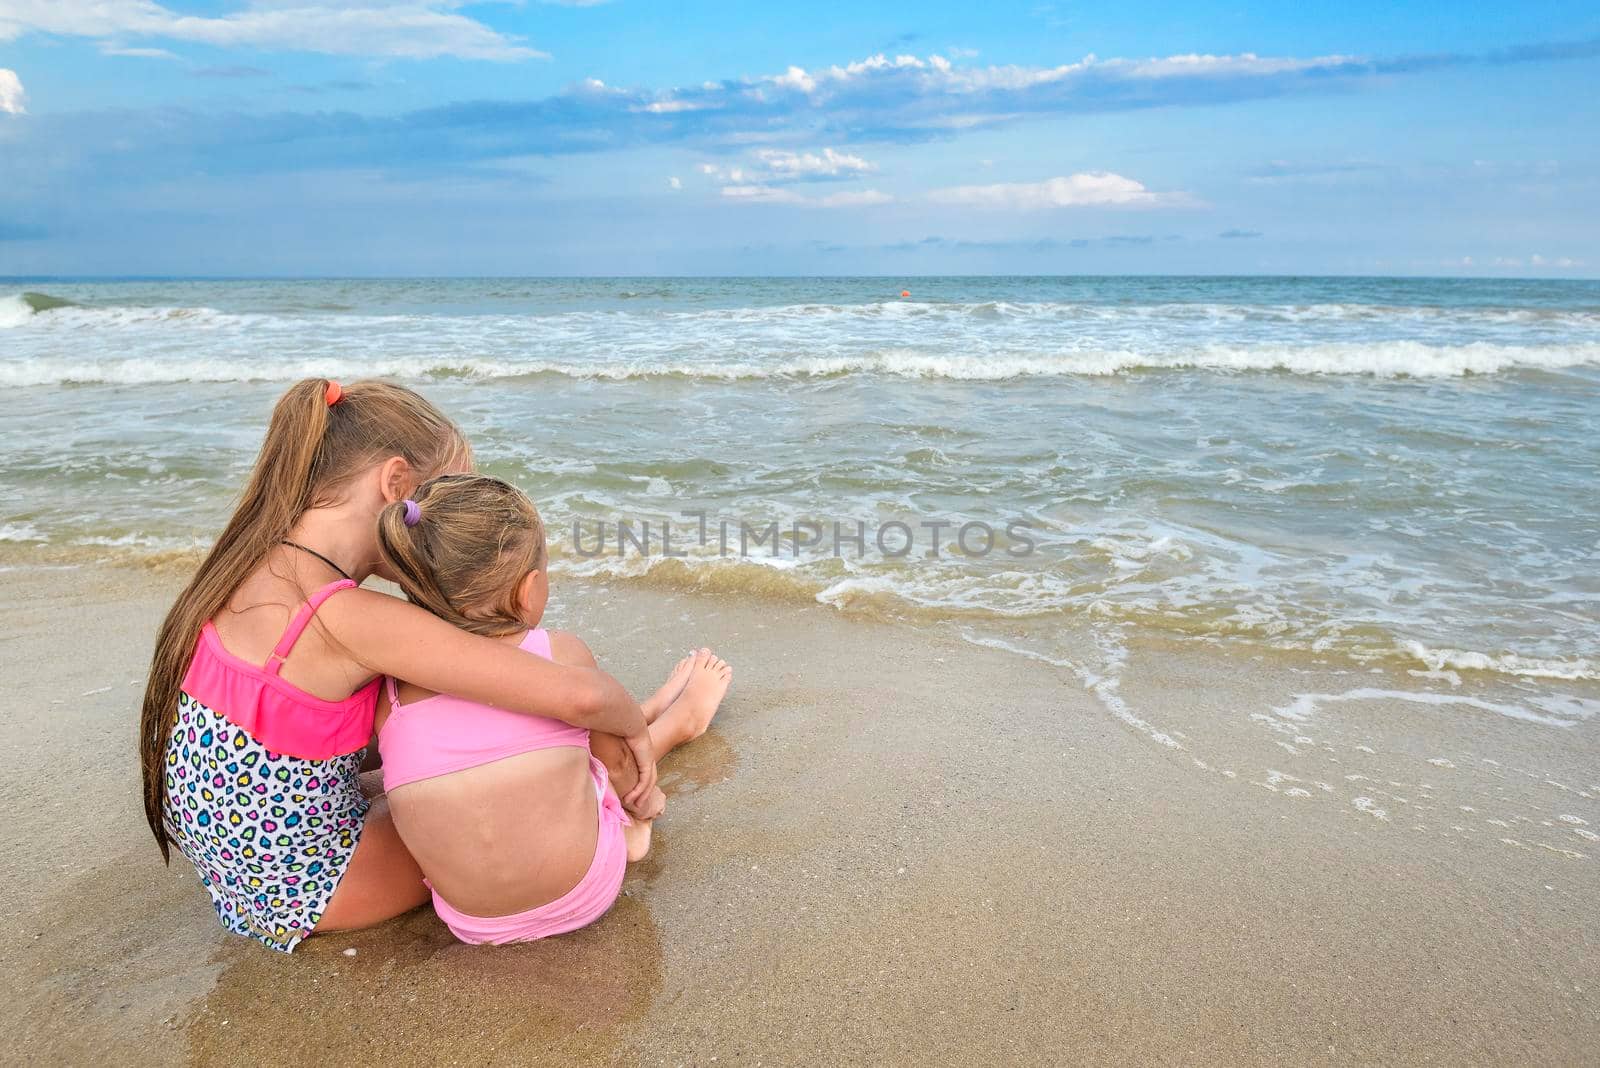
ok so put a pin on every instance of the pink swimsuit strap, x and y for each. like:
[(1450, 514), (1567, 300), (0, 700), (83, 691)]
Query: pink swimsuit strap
[(297, 625), (442, 734), (276, 713)]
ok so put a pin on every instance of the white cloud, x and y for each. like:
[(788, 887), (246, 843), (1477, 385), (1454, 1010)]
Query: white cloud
[(795, 78), (766, 194), (776, 166), (109, 49), (729, 175), (1243, 63), (855, 199), (413, 29), (12, 98), (936, 73), (674, 183), (800, 80), (1091, 189), (831, 163), (762, 193), (670, 107), (1537, 260)]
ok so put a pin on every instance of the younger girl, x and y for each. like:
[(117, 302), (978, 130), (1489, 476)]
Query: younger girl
[(511, 817), (256, 713)]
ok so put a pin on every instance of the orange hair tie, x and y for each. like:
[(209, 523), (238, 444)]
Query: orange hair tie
[(334, 395)]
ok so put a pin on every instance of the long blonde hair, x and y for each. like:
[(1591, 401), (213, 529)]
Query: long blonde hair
[(472, 540), (311, 452)]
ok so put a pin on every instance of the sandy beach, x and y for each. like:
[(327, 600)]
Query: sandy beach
[(891, 848), (1141, 464)]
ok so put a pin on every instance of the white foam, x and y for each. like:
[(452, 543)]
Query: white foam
[(14, 311), (21, 532), (1278, 782), (971, 342), (1102, 686), (140, 540), (1371, 808), (1304, 705), (1439, 660), (1379, 360)]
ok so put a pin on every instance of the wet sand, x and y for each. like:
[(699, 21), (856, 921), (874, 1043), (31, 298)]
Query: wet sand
[(892, 847)]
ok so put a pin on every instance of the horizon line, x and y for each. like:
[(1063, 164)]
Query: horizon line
[(82, 278)]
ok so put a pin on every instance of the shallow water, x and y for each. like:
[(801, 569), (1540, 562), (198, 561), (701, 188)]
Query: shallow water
[(1371, 470)]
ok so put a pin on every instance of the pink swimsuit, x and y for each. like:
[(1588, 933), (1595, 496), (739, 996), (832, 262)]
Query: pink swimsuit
[(443, 734)]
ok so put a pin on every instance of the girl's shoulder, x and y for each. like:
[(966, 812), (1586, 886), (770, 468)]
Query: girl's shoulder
[(569, 649), (372, 626)]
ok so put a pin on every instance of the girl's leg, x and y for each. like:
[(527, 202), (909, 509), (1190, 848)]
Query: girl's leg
[(381, 882), (686, 718), (662, 699)]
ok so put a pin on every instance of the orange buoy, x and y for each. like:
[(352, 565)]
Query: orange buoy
[(905, 292)]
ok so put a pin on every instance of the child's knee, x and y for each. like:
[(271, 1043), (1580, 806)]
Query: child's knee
[(618, 759)]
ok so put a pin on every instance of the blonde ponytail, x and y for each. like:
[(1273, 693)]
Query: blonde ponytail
[(472, 541), (320, 437)]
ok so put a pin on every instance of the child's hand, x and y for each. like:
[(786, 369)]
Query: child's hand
[(651, 807), (644, 758)]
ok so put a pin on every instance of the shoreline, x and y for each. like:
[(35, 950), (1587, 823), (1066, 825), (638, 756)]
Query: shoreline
[(762, 583), (892, 845)]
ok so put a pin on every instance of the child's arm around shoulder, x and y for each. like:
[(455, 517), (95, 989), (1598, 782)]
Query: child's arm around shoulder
[(388, 636)]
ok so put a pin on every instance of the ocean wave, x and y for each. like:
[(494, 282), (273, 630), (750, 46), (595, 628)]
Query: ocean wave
[(22, 532), (18, 308), (22, 307), (15, 310), (1392, 359), (54, 313), (1529, 667), (47, 340), (1556, 710)]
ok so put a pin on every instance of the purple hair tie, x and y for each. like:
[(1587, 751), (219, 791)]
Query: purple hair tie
[(413, 513)]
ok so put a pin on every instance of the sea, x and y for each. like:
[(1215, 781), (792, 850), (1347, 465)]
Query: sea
[(1383, 473)]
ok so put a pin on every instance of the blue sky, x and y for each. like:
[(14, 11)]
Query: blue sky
[(395, 137)]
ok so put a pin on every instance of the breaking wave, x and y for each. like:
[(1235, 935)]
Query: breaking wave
[(46, 340), (1394, 359)]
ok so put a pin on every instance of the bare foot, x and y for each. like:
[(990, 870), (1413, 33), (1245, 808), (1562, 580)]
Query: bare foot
[(636, 836), (688, 717), (658, 702)]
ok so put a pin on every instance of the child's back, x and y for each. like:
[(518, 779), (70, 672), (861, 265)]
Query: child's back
[(509, 815)]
